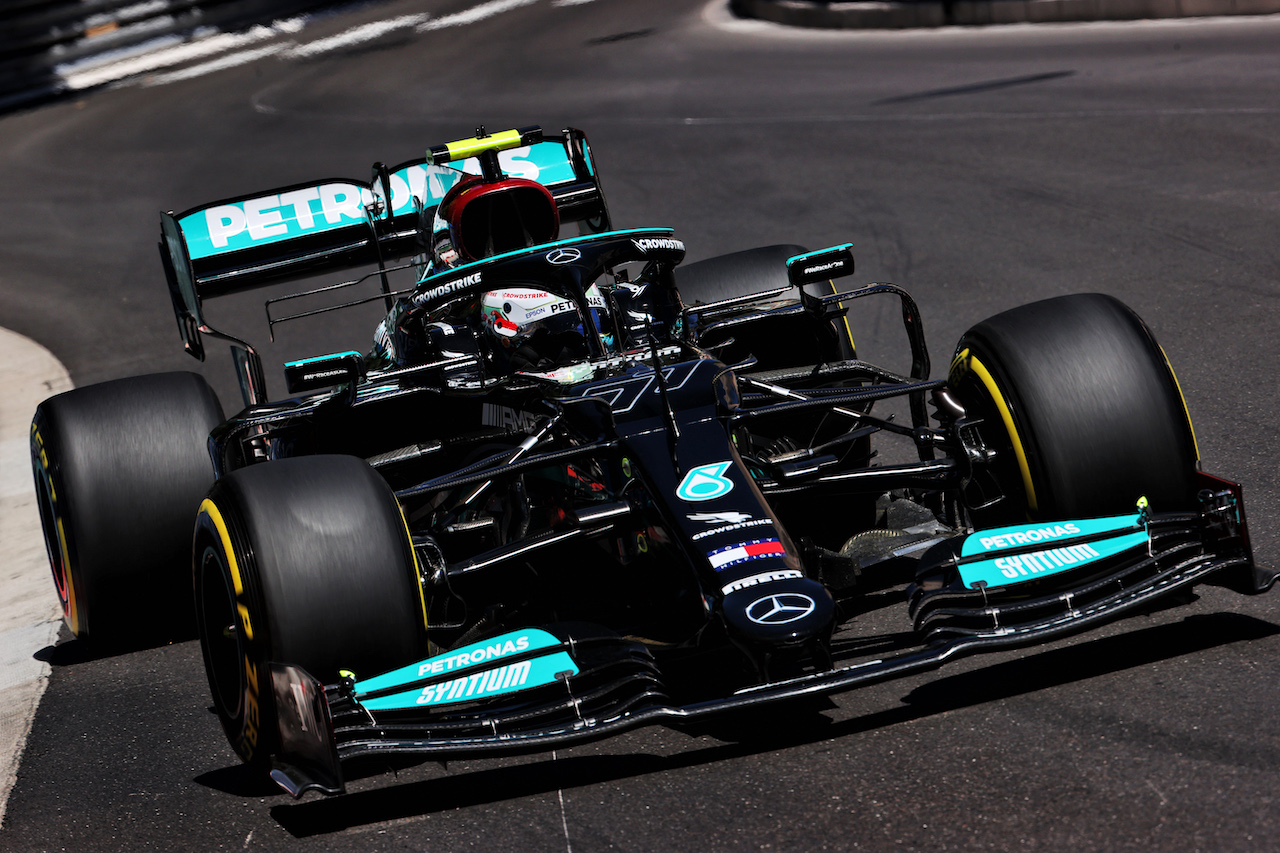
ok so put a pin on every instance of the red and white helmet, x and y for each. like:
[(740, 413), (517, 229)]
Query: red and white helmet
[(540, 329)]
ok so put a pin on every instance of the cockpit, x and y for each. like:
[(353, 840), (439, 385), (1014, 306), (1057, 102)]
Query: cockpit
[(496, 283)]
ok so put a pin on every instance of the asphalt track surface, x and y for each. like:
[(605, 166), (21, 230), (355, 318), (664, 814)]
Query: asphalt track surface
[(981, 169)]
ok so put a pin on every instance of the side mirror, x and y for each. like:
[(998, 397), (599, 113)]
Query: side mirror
[(822, 265), (324, 371)]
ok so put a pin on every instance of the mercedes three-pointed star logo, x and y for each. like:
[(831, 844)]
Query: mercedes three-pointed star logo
[(780, 608), (563, 256)]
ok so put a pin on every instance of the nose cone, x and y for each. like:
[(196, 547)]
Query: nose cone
[(780, 613)]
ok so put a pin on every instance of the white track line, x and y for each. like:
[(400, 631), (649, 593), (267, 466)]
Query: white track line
[(29, 613), (229, 60), (354, 36), (474, 14), (109, 68), (133, 66)]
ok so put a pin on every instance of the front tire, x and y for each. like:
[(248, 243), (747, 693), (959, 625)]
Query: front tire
[(120, 468), (1082, 409), (305, 562)]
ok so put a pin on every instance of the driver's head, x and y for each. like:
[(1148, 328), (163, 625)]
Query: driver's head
[(539, 330), (489, 218)]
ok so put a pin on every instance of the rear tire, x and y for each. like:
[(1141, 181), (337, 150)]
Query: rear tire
[(120, 468), (784, 342), (1082, 409), (306, 562)]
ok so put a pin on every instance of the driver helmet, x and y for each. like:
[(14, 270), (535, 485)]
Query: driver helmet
[(538, 329), (478, 219)]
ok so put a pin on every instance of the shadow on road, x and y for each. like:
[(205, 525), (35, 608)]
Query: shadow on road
[(971, 88), (71, 650)]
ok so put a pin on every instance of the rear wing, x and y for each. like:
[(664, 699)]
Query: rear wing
[(325, 226)]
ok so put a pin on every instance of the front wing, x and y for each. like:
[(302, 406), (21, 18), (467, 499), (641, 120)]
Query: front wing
[(581, 685)]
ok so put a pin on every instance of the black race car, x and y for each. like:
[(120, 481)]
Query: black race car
[(575, 488)]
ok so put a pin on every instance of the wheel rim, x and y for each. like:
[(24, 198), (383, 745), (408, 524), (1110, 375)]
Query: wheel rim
[(984, 402), (220, 633)]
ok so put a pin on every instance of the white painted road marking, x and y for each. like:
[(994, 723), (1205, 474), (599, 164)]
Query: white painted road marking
[(112, 67), (29, 612), (135, 65), (139, 65), (354, 36), (474, 14)]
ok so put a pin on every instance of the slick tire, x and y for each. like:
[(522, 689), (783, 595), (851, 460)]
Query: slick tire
[(120, 469), (306, 562), (1081, 407), (753, 271)]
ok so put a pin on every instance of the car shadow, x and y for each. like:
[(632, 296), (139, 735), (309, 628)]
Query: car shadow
[(1197, 633), (70, 650), (239, 780)]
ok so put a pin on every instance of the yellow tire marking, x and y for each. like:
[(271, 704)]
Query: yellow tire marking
[(209, 508), (244, 618), (984, 376), (844, 319), (417, 567), (72, 609), (1195, 445), (248, 742)]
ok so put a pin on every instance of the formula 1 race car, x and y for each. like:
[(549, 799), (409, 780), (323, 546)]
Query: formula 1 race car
[(574, 488)]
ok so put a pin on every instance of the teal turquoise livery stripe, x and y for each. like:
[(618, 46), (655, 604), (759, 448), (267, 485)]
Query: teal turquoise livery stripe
[(467, 658), (335, 355), (494, 667), (798, 259), (333, 205), (488, 683), (546, 162), (274, 218), (455, 275), (1062, 551)]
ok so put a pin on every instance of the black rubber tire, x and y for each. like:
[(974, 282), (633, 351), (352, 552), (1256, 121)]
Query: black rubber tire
[(1093, 403), (307, 562), (753, 271), (120, 469)]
